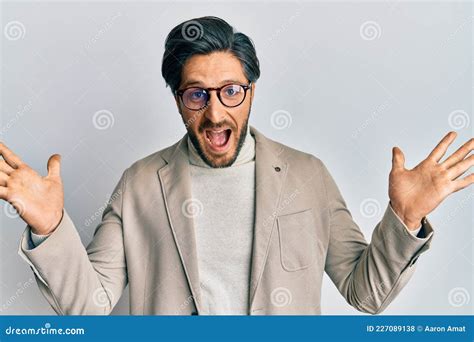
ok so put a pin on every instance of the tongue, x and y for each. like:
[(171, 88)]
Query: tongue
[(218, 139)]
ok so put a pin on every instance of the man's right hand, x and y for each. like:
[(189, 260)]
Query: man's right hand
[(38, 200)]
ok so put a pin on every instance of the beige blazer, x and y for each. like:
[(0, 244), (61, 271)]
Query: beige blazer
[(302, 229)]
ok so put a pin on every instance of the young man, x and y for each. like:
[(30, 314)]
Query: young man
[(225, 221)]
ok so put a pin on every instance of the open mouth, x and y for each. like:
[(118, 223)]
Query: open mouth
[(218, 139)]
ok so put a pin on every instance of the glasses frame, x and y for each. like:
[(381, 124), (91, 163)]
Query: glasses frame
[(246, 87)]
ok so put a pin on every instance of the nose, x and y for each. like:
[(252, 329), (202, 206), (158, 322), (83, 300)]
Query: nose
[(215, 111)]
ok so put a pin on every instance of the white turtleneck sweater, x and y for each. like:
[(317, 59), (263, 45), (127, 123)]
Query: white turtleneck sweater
[(224, 229)]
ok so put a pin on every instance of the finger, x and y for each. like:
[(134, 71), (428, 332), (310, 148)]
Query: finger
[(440, 149), (3, 179), (461, 167), (11, 158), (5, 168), (398, 159), (460, 154), (3, 192), (464, 182), (54, 165)]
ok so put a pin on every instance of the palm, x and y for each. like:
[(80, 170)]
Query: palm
[(417, 188), (417, 192), (29, 191), (38, 200)]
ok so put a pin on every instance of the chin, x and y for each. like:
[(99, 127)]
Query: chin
[(219, 159)]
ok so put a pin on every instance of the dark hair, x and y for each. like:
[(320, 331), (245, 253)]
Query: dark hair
[(203, 36)]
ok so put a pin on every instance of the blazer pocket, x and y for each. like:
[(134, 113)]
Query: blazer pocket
[(297, 240)]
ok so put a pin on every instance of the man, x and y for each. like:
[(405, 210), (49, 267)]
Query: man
[(226, 221)]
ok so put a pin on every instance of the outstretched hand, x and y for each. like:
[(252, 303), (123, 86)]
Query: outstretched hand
[(38, 200), (417, 192)]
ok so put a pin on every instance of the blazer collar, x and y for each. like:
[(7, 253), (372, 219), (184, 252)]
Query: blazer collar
[(175, 179)]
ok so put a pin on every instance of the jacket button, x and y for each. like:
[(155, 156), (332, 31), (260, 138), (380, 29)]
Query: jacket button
[(277, 169)]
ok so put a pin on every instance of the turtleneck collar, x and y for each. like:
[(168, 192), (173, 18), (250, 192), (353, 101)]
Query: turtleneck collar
[(246, 154)]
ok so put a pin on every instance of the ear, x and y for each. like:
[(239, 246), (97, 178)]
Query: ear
[(178, 104), (252, 92)]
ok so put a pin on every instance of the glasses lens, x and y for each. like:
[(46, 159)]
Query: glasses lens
[(232, 95), (195, 98)]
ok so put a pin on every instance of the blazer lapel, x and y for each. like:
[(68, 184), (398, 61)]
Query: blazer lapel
[(176, 186), (270, 175)]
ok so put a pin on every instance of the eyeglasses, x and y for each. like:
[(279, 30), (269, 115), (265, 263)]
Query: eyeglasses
[(230, 95)]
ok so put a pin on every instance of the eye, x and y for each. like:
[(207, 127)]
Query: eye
[(231, 90), (196, 95)]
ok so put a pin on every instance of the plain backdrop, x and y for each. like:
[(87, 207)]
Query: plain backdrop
[(345, 81)]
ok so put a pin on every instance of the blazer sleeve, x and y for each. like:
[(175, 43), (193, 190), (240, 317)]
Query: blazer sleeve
[(76, 280), (369, 276)]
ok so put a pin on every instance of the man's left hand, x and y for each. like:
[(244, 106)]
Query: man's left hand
[(417, 192)]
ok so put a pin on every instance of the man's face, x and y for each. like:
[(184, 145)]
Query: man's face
[(216, 131)]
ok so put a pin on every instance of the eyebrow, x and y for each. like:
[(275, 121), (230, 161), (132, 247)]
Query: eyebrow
[(199, 83)]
